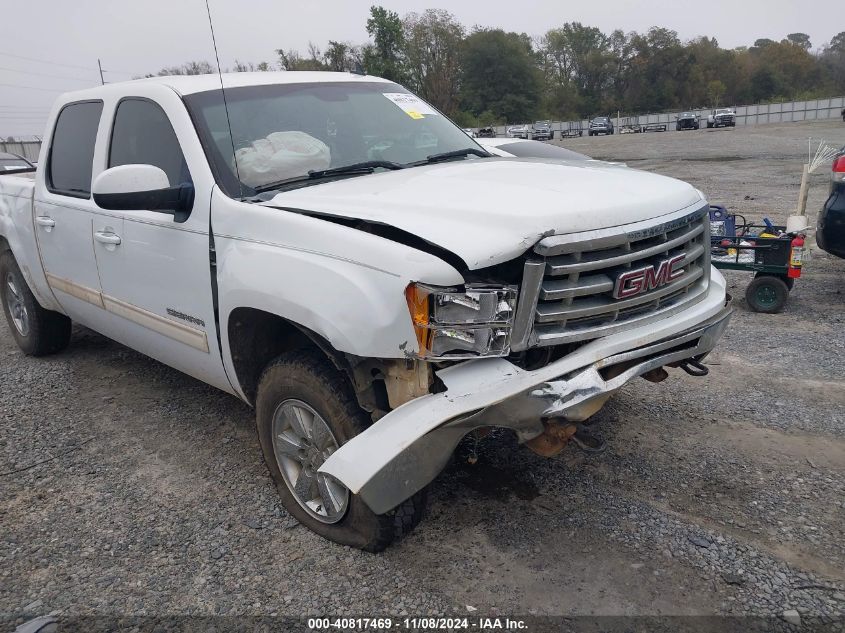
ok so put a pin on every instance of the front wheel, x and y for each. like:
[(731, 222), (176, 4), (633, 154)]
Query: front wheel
[(306, 410), (38, 332)]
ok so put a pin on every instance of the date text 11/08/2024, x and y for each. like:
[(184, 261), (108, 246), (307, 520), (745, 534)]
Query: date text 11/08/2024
[(418, 624)]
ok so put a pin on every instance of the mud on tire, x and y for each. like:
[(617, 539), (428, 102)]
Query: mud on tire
[(307, 376), (37, 331)]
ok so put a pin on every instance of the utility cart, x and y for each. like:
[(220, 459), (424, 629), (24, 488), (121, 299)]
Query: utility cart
[(774, 255), (572, 130)]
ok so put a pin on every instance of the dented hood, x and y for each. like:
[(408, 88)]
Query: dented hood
[(493, 210)]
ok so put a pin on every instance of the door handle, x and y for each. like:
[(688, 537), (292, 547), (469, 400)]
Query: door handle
[(45, 221), (107, 238)]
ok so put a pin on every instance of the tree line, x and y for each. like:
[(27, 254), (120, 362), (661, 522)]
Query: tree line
[(485, 76)]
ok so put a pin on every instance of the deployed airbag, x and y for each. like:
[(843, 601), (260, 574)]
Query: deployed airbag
[(280, 156)]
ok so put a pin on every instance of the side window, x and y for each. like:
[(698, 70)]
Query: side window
[(72, 149), (142, 135)]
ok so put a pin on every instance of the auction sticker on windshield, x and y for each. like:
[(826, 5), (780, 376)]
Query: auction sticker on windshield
[(412, 105)]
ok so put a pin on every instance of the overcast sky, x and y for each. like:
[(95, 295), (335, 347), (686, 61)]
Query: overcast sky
[(139, 37)]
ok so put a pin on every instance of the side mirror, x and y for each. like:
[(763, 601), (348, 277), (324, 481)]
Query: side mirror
[(142, 188)]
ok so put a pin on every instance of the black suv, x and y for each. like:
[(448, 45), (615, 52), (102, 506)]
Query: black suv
[(830, 228), (600, 125)]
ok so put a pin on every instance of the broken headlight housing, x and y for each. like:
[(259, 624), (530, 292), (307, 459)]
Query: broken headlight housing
[(461, 323)]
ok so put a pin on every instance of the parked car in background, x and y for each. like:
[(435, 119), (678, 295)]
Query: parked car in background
[(600, 125), (722, 117), (13, 163), (469, 132), (688, 121), (542, 131), (519, 131), (517, 147), (830, 228), (487, 132)]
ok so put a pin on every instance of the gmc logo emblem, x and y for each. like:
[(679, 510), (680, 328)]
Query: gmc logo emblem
[(633, 282)]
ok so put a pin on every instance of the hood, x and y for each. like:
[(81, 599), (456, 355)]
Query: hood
[(490, 211)]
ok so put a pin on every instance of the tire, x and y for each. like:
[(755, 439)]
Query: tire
[(767, 294), (38, 332), (308, 378)]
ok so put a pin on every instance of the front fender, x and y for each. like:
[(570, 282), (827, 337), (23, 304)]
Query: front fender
[(341, 283)]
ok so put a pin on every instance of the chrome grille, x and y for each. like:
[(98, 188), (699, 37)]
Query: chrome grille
[(568, 281)]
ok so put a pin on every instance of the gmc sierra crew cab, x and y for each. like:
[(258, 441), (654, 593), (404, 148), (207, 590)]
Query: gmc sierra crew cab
[(335, 252)]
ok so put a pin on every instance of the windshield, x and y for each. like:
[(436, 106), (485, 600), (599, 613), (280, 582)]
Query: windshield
[(285, 131)]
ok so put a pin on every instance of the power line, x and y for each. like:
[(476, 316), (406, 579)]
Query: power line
[(52, 63), (35, 88), (29, 72)]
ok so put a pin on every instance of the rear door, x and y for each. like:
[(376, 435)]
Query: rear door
[(64, 210), (155, 272)]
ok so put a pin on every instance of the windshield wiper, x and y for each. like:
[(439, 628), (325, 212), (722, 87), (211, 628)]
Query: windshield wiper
[(458, 153), (366, 167)]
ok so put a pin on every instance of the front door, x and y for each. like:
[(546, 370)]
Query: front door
[(155, 272)]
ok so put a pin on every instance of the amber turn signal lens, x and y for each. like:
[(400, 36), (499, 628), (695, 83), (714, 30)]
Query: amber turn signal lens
[(417, 298)]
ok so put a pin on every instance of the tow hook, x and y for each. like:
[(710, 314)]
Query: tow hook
[(694, 367)]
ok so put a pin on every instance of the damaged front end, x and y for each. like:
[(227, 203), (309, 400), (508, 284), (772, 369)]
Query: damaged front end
[(407, 448)]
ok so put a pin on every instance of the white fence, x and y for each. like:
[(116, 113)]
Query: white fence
[(27, 149), (745, 115)]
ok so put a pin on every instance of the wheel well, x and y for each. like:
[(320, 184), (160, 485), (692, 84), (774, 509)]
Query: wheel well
[(257, 337), (4, 245)]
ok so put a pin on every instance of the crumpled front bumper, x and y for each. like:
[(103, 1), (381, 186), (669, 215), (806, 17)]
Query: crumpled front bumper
[(406, 449)]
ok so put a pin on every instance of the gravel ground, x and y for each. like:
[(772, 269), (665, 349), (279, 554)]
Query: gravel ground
[(128, 488)]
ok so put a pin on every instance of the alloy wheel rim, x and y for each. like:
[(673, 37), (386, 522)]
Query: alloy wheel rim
[(16, 305), (302, 441)]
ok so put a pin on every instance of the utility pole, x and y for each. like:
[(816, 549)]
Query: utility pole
[(100, 66)]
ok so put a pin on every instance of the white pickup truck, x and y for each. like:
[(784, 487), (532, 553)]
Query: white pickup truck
[(338, 254)]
